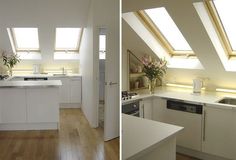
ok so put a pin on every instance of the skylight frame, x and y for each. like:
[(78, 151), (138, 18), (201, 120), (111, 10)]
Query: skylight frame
[(66, 50), (153, 29), (219, 27), (14, 42)]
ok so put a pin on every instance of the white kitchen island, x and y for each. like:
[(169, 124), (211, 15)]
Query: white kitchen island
[(29, 105), (147, 139)]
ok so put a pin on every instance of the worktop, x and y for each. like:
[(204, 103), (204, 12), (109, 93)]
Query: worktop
[(205, 97), (43, 76), (140, 136), (25, 84)]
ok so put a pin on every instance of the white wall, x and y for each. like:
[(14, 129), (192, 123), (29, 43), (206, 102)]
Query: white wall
[(102, 14), (86, 67)]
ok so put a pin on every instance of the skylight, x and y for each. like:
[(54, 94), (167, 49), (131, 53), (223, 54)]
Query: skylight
[(225, 10), (168, 28), (25, 39), (68, 39)]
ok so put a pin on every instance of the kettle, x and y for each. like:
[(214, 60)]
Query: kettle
[(36, 68), (197, 85)]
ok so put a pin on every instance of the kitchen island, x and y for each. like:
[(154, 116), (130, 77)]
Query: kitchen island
[(147, 139), (29, 105)]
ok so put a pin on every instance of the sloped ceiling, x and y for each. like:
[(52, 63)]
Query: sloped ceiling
[(46, 15), (189, 23)]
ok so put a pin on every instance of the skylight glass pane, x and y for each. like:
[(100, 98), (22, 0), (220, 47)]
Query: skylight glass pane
[(226, 11), (67, 38), (26, 38), (168, 28)]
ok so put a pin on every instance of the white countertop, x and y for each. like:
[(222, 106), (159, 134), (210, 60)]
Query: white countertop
[(205, 97), (25, 84), (43, 75), (141, 135)]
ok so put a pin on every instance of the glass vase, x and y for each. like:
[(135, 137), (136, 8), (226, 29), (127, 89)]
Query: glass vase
[(152, 85), (10, 72)]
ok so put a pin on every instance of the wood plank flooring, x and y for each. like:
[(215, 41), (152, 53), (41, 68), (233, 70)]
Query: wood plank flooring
[(74, 141), (184, 157)]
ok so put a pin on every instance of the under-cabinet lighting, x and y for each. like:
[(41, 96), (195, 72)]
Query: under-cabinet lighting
[(181, 86), (226, 90)]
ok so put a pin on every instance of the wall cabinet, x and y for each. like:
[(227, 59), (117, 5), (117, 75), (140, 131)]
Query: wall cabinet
[(219, 130), (146, 108)]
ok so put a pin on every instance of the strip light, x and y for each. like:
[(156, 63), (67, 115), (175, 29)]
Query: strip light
[(225, 90), (181, 86)]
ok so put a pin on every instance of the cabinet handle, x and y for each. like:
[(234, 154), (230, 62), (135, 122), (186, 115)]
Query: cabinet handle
[(204, 125)]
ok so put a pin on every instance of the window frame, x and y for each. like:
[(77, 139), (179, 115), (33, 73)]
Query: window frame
[(219, 28), (14, 41), (69, 50), (153, 29)]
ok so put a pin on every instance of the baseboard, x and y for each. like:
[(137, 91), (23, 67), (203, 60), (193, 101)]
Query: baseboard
[(70, 105), (198, 154), (29, 126)]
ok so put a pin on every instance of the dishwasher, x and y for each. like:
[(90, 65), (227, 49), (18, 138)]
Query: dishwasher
[(187, 115)]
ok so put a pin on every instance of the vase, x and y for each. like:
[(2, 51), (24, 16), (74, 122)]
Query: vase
[(10, 72), (152, 85)]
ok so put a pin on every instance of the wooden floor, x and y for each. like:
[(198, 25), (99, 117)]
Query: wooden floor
[(184, 157), (74, 141)]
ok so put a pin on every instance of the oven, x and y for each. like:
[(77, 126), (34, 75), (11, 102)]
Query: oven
[(131, 108)]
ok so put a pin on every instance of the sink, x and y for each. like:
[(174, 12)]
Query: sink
[(228, 100)]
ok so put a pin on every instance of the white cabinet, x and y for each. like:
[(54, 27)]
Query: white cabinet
[(190, 136), (42, 107), (219, 131), (146, 108), (75, 90), (64, 90), (70, 91), (13, 105)]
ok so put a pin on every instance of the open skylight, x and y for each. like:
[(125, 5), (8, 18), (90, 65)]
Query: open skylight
[(25, 39), (161, 25), (221, 13), (68, 39), (225, 11), (168, 28)]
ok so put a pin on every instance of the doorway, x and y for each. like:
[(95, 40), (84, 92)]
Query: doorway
[(102, 59)]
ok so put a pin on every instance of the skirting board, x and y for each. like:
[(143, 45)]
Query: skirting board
[(197, 154), (29, 126), (70, 105)]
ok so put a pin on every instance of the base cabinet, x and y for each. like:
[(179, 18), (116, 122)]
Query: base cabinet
[(70, 91), (13, 105), (219, 131), (42, 107), (190, 136), (146, 108)]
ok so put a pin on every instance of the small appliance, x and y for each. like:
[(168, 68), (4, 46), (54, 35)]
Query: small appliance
[(197, 85)]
